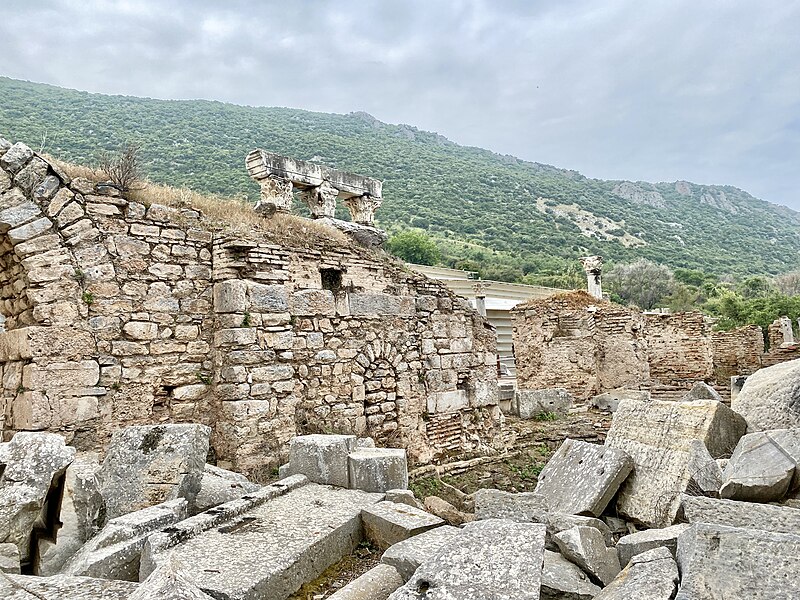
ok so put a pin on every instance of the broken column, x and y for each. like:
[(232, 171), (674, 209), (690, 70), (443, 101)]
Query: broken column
[(593, 265), (786, 331), (479, 287)]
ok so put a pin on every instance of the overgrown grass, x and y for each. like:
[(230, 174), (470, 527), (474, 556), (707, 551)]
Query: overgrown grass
[(547, 416)]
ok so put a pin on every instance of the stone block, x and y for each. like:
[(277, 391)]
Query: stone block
[(491, 559), (702, 391), (406, 556), (169, 582), (25, 232), (582, 478), (387, 523), (443, 509), (149, 464), (64, 587), (634, 544), (770, 398), (652, 575), (141, 330), (758, 471), (528, 404), (219, 486), (450, 401), (403, 496), (378, 469), (15, 157), (322, 458), (585, 547), (732, 513), (309, 303), (267, 298), (705, 472), (498, 504), (727, 562), (18, 215), (563, 580), (374, 304), (656, 435), (230, 296), (376, 584), (9, 558), (609, 401)]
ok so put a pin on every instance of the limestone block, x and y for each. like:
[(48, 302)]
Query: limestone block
[(115, 552), (727, 562), (657, 435), (370, 237), (47, 188), (406, 556), (443, 509), (378, 469), (586, 547), (732, 513), (230, 296), (449, 401), (322, 458), (758, 471), (497, 504), (141, 330), (267, 298), (770, 398), (610, 400), (376, 584), (64, 587), (634, 544), (403, 496), (31, 175), (582, 478), (308, 303), (387, 523), (61, 375), (149, 464), (4, 145), (491, 559), (788, 440), (705, 472), (33, 461), (30, 230), (652, 575), (374, 304), (562, 580), (15, 157), (702, 391), (169, 582), (18, 215), (9, 559), (219, 486), (528, 404)]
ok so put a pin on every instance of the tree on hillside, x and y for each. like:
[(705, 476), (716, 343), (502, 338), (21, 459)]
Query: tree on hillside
[(643, 283), (788, 284), (414, 246)]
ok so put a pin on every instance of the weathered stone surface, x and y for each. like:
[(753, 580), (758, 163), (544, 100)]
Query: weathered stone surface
[(562, 580), (148, 464), (610, 400), (444, 510), (528, 404), (497, 504), (370, 237), (769, 517), (705, 473), (378, 469), (652, 575), (657, 435), (636, 543), (322, 458), (387, 523), (376, 584), (404, 497), (15, 157), (219, 486), (64, 587), (770, 398), (788, 440), (115, 552), (586, 547), (33, 462), (312, 302), (406, 556), (169, 582), (582, 478), (758, 471), (702, 391), (9, 558), (727, 562), (491, 559)]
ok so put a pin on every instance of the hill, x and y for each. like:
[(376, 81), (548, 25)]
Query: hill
[(506, 216)]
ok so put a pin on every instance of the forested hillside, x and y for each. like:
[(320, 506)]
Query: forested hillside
[(504, 216)]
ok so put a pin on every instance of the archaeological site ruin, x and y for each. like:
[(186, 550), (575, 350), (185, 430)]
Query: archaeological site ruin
[(278, 409)]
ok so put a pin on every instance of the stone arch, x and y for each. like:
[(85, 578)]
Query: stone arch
[(378, 391)]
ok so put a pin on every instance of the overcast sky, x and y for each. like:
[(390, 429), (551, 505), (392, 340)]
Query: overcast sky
[(700, 90)]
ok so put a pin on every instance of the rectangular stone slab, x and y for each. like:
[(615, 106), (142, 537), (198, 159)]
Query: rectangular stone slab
[(733, 513), (65, 587), (408, 555), (270, 550), (387, 523)]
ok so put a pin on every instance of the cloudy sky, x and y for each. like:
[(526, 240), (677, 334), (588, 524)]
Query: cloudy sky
[(703, 90)]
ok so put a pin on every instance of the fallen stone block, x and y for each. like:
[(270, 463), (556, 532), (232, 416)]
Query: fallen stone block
[(529, 404), (562, 580), (9, 558), (582, 478), (169, 582), (498, 504), (443, 509), (378, 469), (788, 440), (652, 575), (704, 472), (758, 471), (266, 544), (609, 401), (769, 517), (728, 562), (408, 555), (64, 587), (34, 463), (386, 523), (149, 464), (322, 458), (219, 486), (586, 547), (770, 397), (702, 391), (115, 552), (636, 543), (376, 584), (403, 497), (656, 435), (491, 559)]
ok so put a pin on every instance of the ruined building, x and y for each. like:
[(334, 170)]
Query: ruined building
[(118, 313)]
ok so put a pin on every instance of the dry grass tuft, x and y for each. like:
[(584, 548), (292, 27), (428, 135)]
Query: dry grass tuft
[(75, 171)]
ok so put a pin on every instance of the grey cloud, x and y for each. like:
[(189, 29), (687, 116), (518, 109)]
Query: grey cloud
[(705, 91)]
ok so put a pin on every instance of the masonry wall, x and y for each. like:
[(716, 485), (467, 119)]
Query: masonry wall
[(737, 352), (678, 349), (116, 313)]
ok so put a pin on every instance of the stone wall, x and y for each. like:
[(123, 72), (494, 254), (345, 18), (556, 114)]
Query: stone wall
[(118, 313), (737, 352), (678, 349)]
